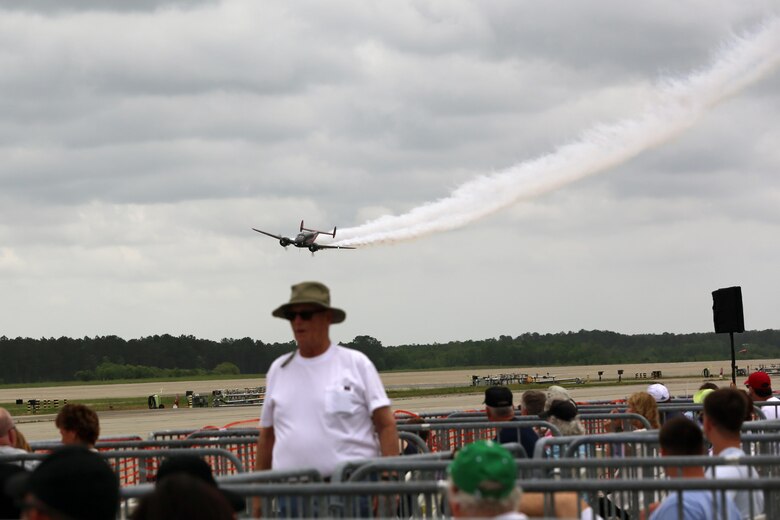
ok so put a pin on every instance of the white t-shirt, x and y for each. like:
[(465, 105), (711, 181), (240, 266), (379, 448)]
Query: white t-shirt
[(697, 505), (770, 411), (741, 498), (10, 450), (320, 409)]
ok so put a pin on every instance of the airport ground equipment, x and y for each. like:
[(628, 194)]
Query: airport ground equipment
[(238, 396), (36, 405), (522, 378)]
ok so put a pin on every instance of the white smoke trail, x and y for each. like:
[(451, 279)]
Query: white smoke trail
[(683, 101)]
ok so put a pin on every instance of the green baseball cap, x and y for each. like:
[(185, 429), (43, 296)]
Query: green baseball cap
[(484, 469)]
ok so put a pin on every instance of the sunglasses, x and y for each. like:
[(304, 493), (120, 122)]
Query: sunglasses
[(305, 315)]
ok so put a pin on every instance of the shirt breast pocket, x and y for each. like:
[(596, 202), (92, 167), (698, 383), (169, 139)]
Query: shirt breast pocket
[(341, 399)]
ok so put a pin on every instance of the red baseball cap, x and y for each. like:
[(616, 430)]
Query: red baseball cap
[(759, 381)]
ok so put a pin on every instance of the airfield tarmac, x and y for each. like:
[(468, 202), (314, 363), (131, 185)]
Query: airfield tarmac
[(681, 378)]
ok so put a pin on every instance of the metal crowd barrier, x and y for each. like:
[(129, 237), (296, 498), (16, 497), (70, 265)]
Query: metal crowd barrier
[(26, 460), (598, 446), (628, 468), (632, 480), (634, 444), (363, 469), (414, 440), (210, 431), (771, 426), (761, 443), (287, 477), (130, 471), (451, 436), (131, 494), (668, 410), (323, 500), (637, 444), (593, 422), (47, 446), (139, 466), (225, 432), (344, 472), (163, 435), (291, 476), (598, 422), (401, 415), (418, 499)]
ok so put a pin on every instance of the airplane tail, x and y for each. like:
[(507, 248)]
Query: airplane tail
[(318, 231)]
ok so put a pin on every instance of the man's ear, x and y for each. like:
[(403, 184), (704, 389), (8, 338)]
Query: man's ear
[(12, 436), (706, 424)]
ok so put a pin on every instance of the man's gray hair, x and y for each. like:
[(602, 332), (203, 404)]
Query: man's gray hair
[(475, 506)]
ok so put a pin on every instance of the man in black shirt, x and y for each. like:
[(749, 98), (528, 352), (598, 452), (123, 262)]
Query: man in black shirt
[(499, 407)]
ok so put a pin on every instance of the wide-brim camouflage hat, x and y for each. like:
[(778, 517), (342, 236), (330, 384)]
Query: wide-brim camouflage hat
[(314, 293)]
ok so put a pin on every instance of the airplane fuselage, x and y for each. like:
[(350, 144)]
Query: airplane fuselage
[(305, 239)]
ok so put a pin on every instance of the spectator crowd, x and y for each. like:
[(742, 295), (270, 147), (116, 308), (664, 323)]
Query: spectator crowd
[(325, 406)]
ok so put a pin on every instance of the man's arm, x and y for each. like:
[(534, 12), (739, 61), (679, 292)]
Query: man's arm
[(265, 448), (384, 424), (565, 505), (263, 458)]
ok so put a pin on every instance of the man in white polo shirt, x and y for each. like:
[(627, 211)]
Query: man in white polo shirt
[(324, 403)]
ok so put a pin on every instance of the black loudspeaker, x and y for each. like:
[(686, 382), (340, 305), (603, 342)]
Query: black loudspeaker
[(727, 310)]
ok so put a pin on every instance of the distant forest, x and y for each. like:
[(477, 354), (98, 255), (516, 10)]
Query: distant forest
[(26, 360)]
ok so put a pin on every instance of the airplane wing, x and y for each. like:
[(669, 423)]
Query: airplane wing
[(277, 237)]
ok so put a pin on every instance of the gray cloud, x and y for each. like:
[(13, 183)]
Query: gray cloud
[(140, 142)]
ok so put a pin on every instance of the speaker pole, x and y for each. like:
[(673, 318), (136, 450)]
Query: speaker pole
[(733, 361)]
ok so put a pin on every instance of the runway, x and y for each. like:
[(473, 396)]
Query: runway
[(681, 378)]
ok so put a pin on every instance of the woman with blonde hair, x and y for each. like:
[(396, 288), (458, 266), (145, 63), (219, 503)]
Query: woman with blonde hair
[(643, 404), (21, 442)]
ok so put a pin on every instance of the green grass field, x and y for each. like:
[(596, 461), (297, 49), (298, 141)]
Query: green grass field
[(117, 403)]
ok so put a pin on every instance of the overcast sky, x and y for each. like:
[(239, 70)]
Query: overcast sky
[(141, 141)]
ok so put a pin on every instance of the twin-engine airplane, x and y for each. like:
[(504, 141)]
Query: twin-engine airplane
[(306, 238)]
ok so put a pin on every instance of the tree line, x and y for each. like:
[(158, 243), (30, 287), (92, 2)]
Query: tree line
[(27, 360)]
